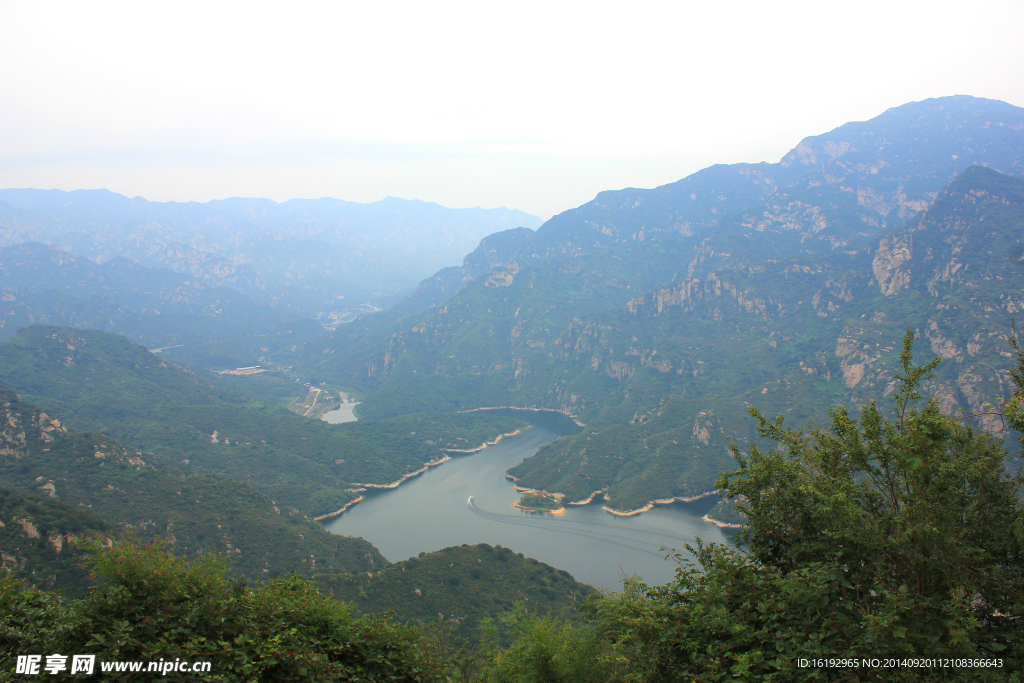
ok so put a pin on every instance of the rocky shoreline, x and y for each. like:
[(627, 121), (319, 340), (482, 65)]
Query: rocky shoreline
[(485, 444), (395, 484), (721, 525), (332, 515), (426, 466), (559, 497), (588, 500), (625, 513), (559, 511), (533, 410), (657, 501)]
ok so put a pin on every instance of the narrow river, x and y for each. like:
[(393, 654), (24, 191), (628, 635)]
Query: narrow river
[(433, 511)]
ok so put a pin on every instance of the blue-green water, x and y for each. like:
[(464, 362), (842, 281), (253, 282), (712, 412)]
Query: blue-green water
[(432, 511)]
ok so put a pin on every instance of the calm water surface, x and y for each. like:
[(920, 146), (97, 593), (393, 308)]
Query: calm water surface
[(432, 512), (342, 413)]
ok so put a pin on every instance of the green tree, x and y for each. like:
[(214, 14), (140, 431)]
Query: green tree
[(918, 512), (547, 650), (151, 605), (870, 538)]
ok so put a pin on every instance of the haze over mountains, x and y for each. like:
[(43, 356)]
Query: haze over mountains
[(239, 279), (307, 256)]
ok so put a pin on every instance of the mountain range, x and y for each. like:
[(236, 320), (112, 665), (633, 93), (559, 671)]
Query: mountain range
[(657, 317), (306, 256)]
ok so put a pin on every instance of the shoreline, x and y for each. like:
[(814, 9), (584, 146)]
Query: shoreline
[(588, 500), (332, 515), (426, 466), (534, 410), (485, 444), (559, 497), (657, 501), (394, 485), (343, 400), (651, 504), (721, 525), (559, 511)]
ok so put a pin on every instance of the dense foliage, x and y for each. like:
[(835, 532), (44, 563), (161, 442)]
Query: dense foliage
[(918, 508), (151, 605), (464, 586), (35, 540)]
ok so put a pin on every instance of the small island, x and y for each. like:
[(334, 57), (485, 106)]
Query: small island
[(540, 502)]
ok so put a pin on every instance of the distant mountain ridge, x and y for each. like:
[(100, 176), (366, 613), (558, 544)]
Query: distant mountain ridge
[(208, 324), (310, 255)]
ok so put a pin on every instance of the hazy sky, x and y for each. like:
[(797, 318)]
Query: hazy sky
[(531, 105)]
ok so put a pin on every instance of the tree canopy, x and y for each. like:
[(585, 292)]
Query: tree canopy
[(871, 538)]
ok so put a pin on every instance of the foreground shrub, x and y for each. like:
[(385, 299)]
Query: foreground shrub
[(149, 605)]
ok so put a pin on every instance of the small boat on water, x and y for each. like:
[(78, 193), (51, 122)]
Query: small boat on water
[(470, 501)]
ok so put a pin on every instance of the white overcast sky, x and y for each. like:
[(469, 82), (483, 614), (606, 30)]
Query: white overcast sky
[(530, 105)]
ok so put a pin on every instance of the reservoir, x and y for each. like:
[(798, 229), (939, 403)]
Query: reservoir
[(433, 511), (342, 413)]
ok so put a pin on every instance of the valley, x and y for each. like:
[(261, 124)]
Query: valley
[(463, 415), (431, 511), (653, 318), (657, 317)]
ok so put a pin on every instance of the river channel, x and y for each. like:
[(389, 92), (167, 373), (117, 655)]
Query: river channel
[(433, 511)]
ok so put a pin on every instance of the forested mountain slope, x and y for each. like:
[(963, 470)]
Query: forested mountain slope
[(793, 336), (660, 327), (131, 489), (103, 382), (853, 182), (220, 492), (34, 540), (862, 177), (193, 321), (154, 305)]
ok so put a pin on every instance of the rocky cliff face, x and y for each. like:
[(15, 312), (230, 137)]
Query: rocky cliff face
[(832, 192), (37, 541)]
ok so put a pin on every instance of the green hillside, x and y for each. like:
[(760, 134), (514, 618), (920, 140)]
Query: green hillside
[(462, 586), (130, 490), (102, 382), (900, 533), (36, 540)]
